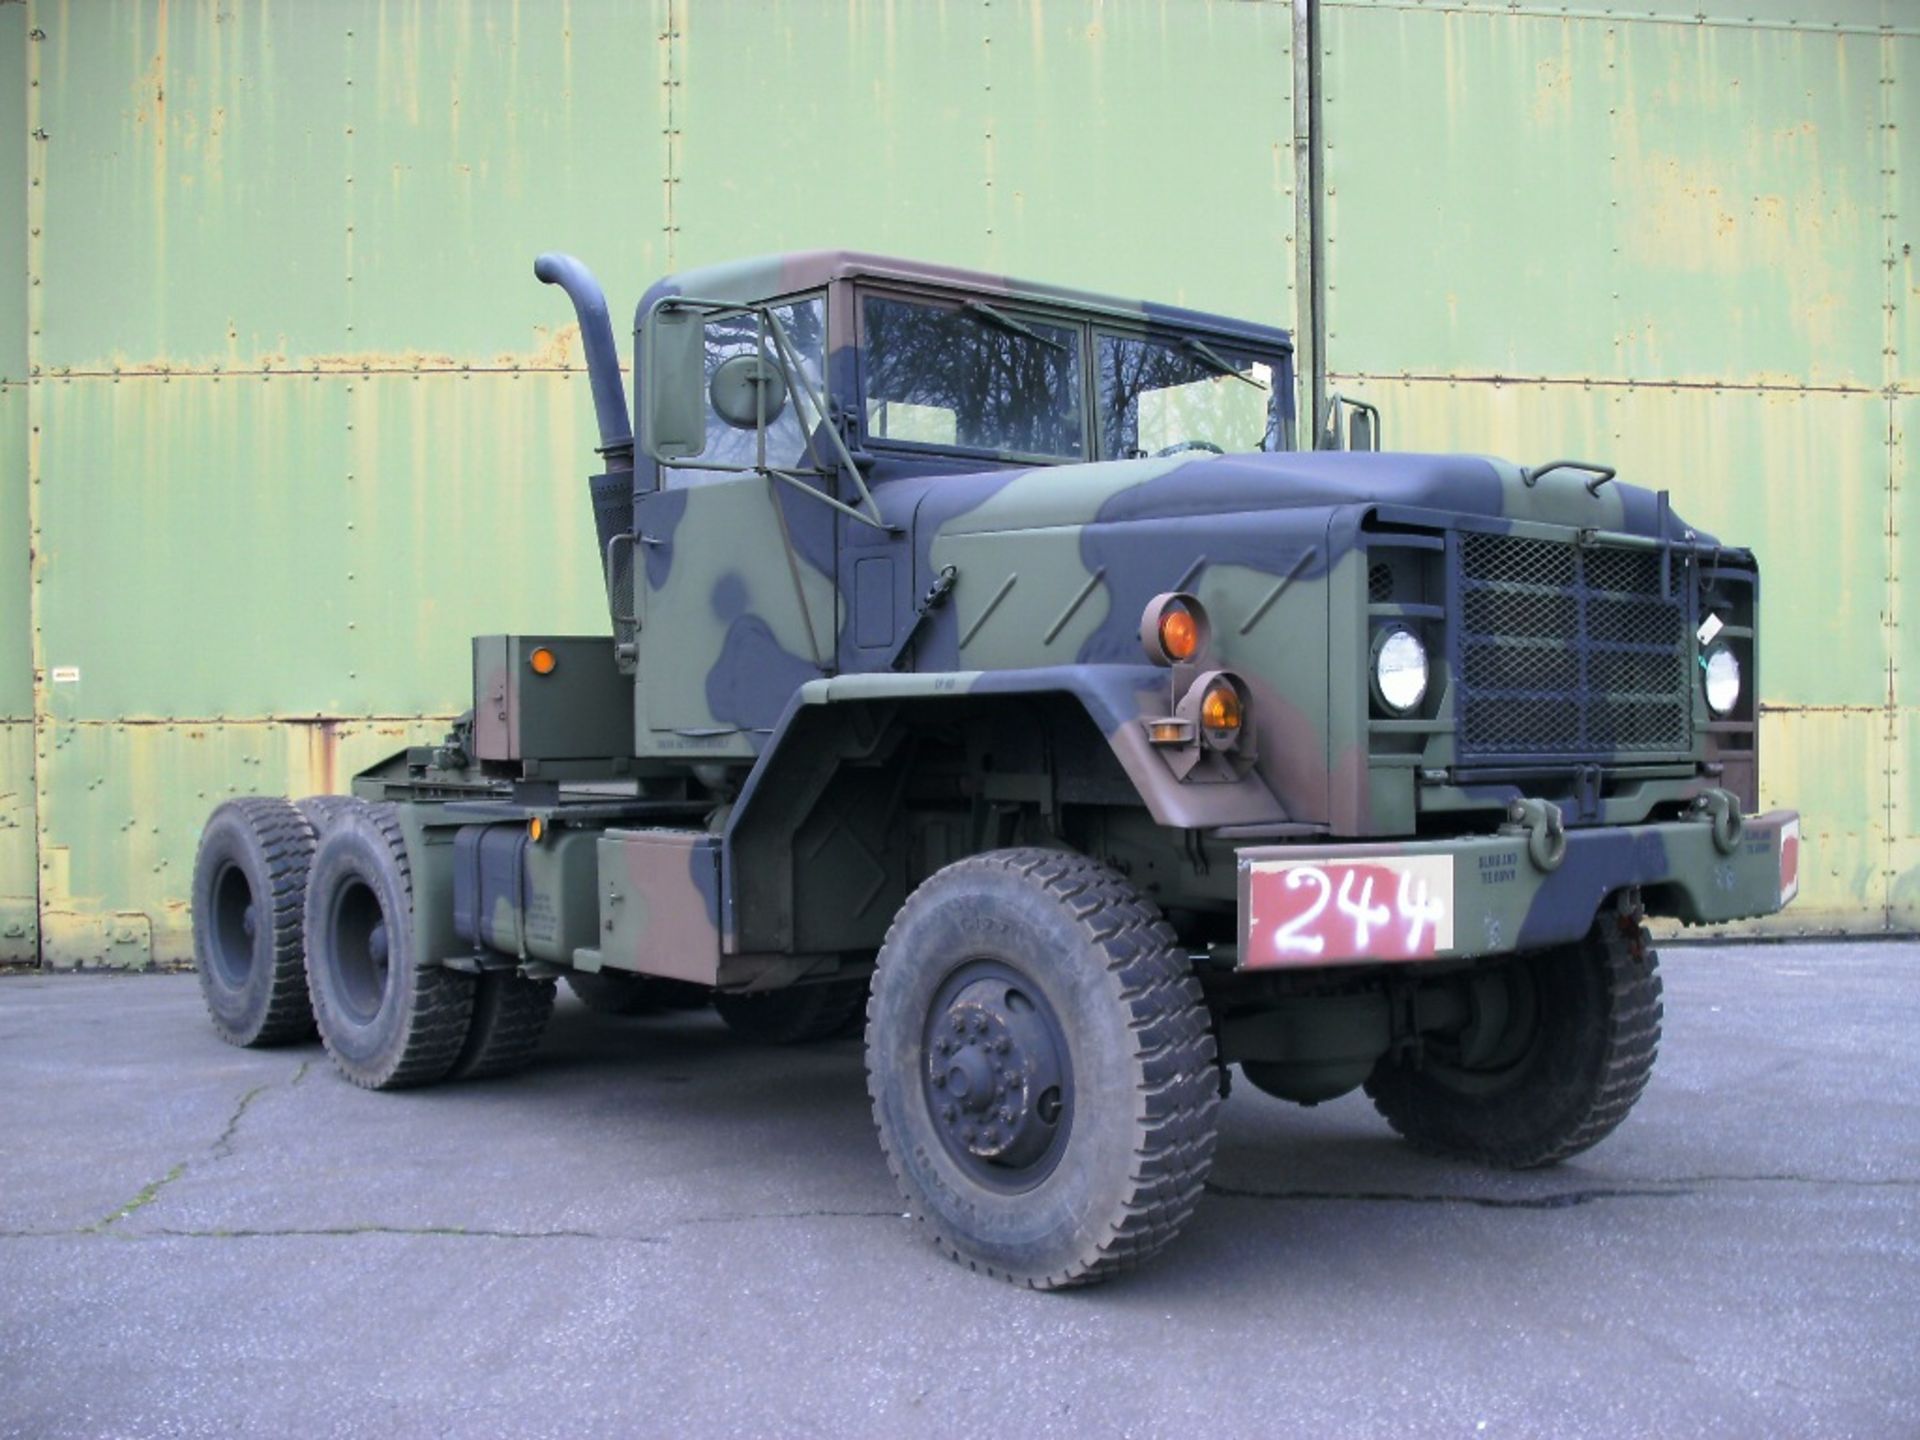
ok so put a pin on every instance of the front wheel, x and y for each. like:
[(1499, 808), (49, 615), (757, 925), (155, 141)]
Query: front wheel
[(1561, 1047), (1041, 1068)]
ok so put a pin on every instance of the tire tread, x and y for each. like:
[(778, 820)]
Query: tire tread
[(1631, 1016), (286, 841), (440, 1002), (1177, 1093)]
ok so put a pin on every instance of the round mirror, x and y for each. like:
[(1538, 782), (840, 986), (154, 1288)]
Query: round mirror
[(745, 388)]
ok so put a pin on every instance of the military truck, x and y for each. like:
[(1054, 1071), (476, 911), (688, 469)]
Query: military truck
[(988, 664)]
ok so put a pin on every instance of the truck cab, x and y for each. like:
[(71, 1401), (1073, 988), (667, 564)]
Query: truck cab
[(988, 669)]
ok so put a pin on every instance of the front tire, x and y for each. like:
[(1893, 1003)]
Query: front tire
[(387, 1020), (1041, 1068), (1578, 1047), (249, 883)]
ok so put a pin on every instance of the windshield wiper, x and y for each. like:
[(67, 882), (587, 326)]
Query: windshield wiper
[(1222, 366), (980, 310)]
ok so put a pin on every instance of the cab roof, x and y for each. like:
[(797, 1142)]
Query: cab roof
[(769, 276)]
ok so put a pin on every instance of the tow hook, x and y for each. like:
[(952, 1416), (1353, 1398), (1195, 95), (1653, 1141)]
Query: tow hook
[(1545, 828), (1720, 809)]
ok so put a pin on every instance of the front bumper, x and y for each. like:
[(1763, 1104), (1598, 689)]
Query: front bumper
[(1305, 906)]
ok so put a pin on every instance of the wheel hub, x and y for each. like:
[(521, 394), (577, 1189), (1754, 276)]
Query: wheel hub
[(996, 1074)]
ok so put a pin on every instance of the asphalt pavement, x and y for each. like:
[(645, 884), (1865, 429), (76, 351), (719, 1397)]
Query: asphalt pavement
[(659, 1229)]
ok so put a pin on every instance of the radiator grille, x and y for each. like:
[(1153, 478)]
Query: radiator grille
[(1568, 652)]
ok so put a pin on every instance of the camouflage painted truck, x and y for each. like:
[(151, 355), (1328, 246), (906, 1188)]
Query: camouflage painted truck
[(987, 665)]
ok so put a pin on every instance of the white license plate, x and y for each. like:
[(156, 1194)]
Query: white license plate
[(1377, 907)]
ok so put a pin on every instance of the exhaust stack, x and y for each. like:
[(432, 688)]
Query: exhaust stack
[(603, 360)]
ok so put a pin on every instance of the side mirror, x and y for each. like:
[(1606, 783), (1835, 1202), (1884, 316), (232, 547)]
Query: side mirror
[(674, 377), (1362, 429)]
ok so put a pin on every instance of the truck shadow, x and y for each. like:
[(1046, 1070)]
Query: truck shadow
[(1287, 1183)]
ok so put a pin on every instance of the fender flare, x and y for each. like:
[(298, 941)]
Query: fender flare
[(831, 720), (1115, 698)]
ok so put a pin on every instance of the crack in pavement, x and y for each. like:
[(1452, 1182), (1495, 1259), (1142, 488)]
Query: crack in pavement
[(454, 1232), (1658, 1189), (221, 1148), (1559, 1200), (143, 1197), (460, 1232), (748, 1217)]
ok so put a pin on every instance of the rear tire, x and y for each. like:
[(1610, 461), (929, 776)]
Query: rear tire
[(509, 1017), (1042, 1068), (249, 884), (388, 1022), (322, 810), (1565, 1075), (797, 1015)]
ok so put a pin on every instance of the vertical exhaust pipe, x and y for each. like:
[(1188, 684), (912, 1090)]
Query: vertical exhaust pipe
[(603, 360)]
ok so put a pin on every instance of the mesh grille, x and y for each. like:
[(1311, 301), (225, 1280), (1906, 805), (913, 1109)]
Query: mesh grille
[(1566, 652), (1379, 583)]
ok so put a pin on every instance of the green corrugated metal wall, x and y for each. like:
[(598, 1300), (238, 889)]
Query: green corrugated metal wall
[(283, 416)]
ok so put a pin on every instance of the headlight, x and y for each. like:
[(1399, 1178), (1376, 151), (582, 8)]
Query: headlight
[(1723, 679), (1399, 670)]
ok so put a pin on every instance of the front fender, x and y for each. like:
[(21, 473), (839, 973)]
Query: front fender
[(845, 720), (1115, 697)]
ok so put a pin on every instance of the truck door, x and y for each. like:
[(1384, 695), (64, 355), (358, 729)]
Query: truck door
[(737, 587)]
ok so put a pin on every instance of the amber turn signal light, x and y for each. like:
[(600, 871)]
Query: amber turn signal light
[(1179, 635), (543, 661), (1174, 629), (1220, 707), (536, 829)]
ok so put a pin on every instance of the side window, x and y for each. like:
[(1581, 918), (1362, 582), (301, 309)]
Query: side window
[(805, 322), (1158, 395)]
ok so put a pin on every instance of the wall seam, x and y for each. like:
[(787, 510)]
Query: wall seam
[(1890, 370), (34, 138), (987, 138), (1595, 382), (1693, 20), (670, 61)]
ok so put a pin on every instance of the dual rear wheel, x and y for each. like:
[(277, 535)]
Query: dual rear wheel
[(303, 922)]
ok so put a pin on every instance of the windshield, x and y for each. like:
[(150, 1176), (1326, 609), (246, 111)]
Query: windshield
[(1164, 396), (974, 375)]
